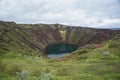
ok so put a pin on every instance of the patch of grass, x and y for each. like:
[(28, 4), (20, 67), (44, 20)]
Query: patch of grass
[(11, 69), (63, 71), (114, 44), (2, 66), (36, 72), (85, 76)]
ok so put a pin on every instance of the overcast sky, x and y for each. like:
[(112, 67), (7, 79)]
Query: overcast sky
[(90, 13)]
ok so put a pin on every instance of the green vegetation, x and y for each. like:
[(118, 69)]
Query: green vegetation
[(63, 34), (84, 64), (22, 46)]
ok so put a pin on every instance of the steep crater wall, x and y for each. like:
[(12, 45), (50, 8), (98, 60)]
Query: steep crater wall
[(39, 36)]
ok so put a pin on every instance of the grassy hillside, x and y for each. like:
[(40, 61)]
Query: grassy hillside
[(26, 38), (21, 46), (84, 64)]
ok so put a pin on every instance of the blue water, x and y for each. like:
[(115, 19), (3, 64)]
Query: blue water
[(59, 50)]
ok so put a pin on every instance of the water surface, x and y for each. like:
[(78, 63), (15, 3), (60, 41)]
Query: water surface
[(59, 50)]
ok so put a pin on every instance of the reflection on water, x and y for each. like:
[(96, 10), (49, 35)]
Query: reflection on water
[(59, 50)]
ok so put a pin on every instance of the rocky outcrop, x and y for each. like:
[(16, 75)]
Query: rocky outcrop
[(36, 37)]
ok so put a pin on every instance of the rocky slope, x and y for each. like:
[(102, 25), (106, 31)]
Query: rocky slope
[(31, 38)]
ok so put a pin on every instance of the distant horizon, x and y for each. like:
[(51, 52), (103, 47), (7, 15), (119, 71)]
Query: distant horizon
[(105, 27), (115, 28)]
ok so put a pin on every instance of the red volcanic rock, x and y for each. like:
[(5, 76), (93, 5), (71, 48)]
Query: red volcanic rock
[(39, 36), (97, 45)]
